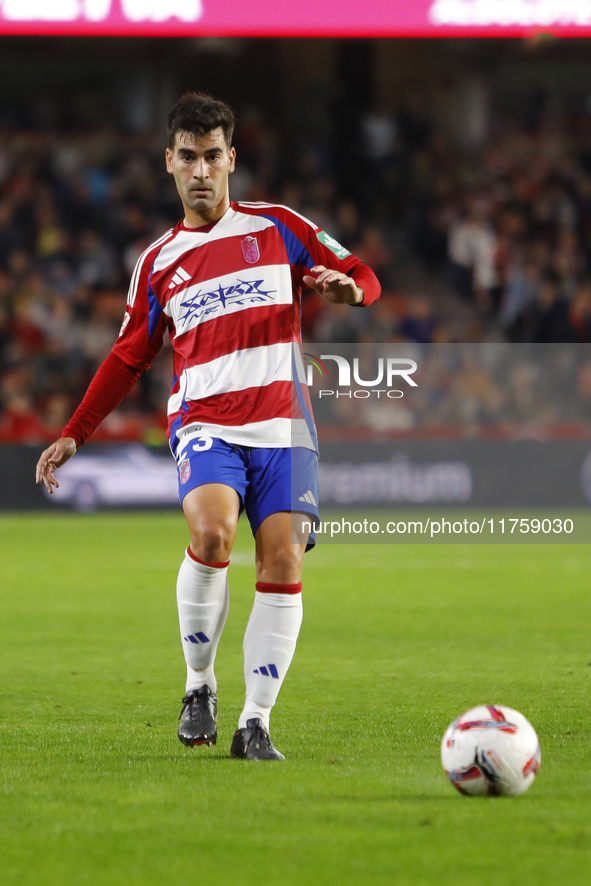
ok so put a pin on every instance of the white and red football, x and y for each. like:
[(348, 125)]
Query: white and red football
[(491, 750)]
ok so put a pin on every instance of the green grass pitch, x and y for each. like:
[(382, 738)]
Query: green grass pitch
[(95, 787)]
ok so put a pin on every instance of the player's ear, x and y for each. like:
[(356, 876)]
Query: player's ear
[(168, 160), (232, 153)]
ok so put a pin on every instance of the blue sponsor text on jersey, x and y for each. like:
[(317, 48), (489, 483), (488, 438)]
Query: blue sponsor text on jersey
[(242, 292)]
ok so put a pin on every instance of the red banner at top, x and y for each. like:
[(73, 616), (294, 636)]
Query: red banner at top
[(318, 18)]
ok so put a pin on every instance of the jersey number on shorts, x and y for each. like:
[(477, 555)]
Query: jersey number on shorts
[(202, 443)]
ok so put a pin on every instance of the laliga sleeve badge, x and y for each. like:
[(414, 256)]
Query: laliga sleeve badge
[(250, 250), (332, 244)]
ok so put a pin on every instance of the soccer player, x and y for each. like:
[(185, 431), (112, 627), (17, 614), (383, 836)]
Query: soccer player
[(226, 285)]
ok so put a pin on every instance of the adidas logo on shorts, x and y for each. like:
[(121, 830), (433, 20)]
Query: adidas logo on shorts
[(308, 498)]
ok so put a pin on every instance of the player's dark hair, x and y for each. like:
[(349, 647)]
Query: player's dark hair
[(199, 113)]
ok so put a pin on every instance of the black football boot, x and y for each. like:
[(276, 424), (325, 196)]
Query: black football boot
[(253, 743), (199, 717)]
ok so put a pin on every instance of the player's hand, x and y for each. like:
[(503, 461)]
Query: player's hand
[(53, 457), (334, 286)]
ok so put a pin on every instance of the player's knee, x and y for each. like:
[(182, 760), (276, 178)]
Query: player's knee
[(212, 543), (282, 564)]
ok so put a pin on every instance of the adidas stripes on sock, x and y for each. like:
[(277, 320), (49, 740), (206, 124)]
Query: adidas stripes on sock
[(269, 646), (202, 600)]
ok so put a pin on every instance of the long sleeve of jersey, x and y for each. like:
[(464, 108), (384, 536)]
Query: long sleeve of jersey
[(112, 382), (366, 279)]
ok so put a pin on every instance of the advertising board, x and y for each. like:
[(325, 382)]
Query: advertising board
[(332, 18)]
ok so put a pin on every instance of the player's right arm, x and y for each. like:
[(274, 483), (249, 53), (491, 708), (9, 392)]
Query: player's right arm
[(113, 380), (53, 457)]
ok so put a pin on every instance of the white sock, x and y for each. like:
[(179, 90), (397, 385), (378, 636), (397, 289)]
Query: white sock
[(202, 600), (269, 646)]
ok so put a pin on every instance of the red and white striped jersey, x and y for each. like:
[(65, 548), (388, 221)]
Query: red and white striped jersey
[(229, 296)]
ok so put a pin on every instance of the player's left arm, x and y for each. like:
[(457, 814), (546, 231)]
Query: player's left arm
[(319, 262), (358, 286), (334, 273)]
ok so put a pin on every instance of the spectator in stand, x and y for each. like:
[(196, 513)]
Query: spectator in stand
[(11, 238), (418, 324), (472, 252), (548, 317), (579, 316)]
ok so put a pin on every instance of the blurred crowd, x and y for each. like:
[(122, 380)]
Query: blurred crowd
[(470, 245)]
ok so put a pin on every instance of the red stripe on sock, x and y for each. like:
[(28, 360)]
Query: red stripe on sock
[(203, 563), (267, 587)]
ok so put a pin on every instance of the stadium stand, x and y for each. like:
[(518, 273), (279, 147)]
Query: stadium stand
[(478, 245)]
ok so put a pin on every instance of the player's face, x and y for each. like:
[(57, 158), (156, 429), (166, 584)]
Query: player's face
[(201, 165)]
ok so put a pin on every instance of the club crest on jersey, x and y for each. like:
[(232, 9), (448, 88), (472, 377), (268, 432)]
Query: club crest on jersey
[(185, 470), (250, 250)]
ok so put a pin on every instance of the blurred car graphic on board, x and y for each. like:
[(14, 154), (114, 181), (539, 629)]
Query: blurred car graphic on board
[(124, 477)]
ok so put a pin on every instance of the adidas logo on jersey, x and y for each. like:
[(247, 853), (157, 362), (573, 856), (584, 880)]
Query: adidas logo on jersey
[(181, 276), (199, 637), (267, 671), (308, 498)]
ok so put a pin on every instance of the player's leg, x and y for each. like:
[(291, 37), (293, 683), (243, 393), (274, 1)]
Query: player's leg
[(271, 634), (211, 473), (276, 617), (212, 513), (203, 599)]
